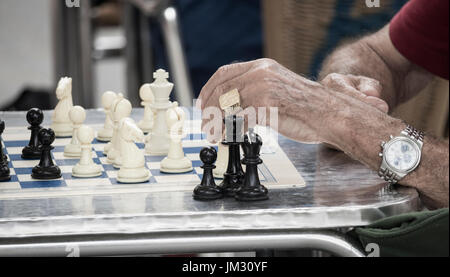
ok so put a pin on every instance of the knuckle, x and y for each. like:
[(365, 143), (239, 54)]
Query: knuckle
[(266, 63), (336, 78)]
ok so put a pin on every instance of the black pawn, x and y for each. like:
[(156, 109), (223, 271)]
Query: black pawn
[(33, 149), (234, 177), (4, 168), (208, 190), (251, 190), (46, 170)]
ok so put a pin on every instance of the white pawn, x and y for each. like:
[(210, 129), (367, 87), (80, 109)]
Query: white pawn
[(61, 124), (106, 133), (86, 168), (222, 161), (77, 115), (148, 99), (133, 169), (108, 146), (176, 161), (121, 110)]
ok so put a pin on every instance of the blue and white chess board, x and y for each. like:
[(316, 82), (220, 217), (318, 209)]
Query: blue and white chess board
[(15, 138)]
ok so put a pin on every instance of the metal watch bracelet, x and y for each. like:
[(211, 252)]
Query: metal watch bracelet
[(390, 176)]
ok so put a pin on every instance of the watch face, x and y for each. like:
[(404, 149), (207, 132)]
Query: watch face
[(402, 155)]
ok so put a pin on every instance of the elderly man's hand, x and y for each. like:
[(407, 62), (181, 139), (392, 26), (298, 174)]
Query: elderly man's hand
[(369, 88), (308, 111)]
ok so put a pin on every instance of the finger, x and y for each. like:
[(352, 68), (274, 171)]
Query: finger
[(348, 84), (223, 74), (379, 103), (369, 87), (236, 83)]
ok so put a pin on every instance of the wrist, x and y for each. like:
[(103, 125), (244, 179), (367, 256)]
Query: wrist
[(360, 134)]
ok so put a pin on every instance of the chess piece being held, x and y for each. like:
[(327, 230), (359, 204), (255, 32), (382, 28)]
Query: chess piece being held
[(176, 161), (106, 133), (208, 190), (86, 168), (46, 169), (133, 169), (156, 142), (5, 174), (61, 123), (251, 190), (148, 99), (33, 149), (77, 115)]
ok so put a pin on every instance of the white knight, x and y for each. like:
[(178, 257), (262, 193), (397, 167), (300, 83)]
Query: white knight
[(133, 168), (61, 123)]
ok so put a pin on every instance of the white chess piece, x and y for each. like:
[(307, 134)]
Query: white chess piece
[(122, 108), (106, 133), (108, 146), (148, 99), (133, 168), (86, 168), (77, 115), (61, 124), (222, 161), (176, 161), (156, 142)]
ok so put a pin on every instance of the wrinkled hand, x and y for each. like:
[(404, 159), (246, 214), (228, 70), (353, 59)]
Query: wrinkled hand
[(306, 109), (366, 89)]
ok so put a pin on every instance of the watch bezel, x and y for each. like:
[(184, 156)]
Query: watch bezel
[(415, 146)]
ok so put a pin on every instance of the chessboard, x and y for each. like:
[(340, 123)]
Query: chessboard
[(277, 171)]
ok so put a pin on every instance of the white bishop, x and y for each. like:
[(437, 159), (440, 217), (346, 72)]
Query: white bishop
[(77, 115), (148, 99), (106, 133)]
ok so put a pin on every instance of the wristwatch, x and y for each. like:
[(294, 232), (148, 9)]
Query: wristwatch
[(401, 155)]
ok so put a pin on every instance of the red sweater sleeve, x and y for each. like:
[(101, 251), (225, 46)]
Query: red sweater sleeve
[(420, 33)]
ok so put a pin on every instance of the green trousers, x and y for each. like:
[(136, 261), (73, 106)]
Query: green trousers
[(421, 234)]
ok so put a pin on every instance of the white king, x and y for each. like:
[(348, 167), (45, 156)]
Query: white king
[(157, 142)]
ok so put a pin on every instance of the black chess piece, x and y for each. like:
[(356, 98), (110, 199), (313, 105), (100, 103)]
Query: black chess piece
[(46, 170), (234, 176), (251, 190), (33, 149), (208, 190), (5, 174)]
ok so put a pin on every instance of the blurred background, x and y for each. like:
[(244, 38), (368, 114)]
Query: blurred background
[(117, 44)]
